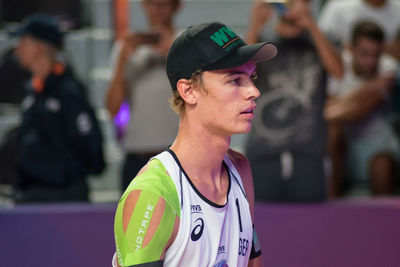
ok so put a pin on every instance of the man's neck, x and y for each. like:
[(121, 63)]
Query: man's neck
[(200, 152), (201, 156)]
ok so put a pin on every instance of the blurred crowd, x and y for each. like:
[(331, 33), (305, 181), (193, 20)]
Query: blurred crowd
[(326, 124)]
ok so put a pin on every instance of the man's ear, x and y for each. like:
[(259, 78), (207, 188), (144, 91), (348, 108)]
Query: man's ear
[(186, 90)]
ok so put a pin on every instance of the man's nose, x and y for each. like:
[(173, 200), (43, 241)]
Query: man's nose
[(253, 91)]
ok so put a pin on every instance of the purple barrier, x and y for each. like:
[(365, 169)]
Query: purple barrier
[(71, 235), (340, 234)]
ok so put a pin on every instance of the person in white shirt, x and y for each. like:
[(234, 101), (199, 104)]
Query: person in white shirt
[(139, 85), (338, 17), (355, 111)]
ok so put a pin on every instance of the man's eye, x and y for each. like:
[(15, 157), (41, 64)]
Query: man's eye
[(236, 81), (254, 77)]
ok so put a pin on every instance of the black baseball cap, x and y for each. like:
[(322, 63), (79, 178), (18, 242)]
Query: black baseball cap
[(42, 27), (212, 46)]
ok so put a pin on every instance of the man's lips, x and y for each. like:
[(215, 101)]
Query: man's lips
[(249, 110)]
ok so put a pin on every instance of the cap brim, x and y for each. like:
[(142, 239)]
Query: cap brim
[(256, 52), (265, 52)]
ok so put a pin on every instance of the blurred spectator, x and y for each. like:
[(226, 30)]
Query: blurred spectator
[(59, 141), (339, 17), (356, 113), (139, 79), (287, 145)]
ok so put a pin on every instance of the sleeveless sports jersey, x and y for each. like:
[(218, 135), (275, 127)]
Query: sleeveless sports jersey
[(209, 234)]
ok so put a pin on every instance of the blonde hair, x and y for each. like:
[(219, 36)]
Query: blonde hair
[(176, 101)]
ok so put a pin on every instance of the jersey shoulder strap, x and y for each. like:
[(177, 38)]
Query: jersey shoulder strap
[(234, 174)]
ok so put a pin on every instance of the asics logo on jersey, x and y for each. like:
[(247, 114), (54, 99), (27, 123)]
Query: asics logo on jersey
[(221, 264), (197, 230)]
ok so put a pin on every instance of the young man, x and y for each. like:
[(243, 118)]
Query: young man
[(139, 79), (193, 204), (356, 109)]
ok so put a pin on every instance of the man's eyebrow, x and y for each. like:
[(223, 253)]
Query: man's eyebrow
[(235, 72)]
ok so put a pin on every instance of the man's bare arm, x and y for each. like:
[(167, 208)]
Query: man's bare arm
[(360, 102)]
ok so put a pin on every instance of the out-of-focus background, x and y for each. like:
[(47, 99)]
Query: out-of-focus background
[(88, 45), (356, 230)]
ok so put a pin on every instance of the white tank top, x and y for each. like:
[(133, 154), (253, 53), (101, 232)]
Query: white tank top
[(209, 234)]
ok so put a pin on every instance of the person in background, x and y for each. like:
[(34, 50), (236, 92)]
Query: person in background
[(193, 204), (287, 145), (338, 18), (357, 113), (139, 80), (59, 140)]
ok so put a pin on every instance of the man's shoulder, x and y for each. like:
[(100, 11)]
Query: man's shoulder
[(240, 162), (236, 156), (242, 166), (154, 179), (154, 169)]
